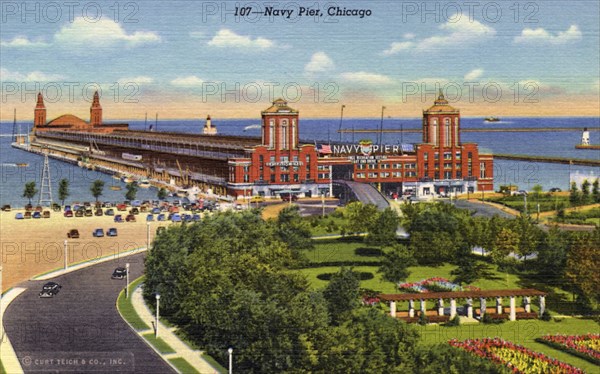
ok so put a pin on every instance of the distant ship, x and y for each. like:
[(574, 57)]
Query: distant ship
[(491, 119), (115, 188)]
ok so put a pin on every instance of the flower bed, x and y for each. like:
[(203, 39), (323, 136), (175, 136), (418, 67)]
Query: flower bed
[(435, 284), (584, 346), (517, 358)]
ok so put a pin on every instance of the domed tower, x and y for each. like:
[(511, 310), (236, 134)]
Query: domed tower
[(441, 124), (280, 126), (96, 111), (39, 112)]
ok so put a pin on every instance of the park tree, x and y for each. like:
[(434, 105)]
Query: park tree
[(552, 255), (132, 190), (382, 231), (360, 216), (63, 190), (583, 262), (529, 235), (162, 193), (596, 191), (342, 294), (432, 248), (506, 242), (293, 230), (97, 188), (574, 194), (29, 191), (469, 269), (395, 264), (586, 197), (537, 191)]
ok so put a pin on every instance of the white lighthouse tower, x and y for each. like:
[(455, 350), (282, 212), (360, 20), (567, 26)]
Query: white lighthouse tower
[(585, 137), (209, 129)]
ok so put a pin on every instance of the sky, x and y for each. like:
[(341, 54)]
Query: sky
[(187, 59)]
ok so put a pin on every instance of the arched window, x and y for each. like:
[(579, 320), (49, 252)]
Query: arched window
[(271, 133)]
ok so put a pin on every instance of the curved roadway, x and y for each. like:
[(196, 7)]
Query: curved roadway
[(80, 329), (366, 193)]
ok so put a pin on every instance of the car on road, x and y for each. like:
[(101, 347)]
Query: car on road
[(19, 216), (118, 218), (50, 289), (112, 232), (130, 218), (68, 213), (109, 212), (288, 197), (98, 233), (73, 234), (119, 273)]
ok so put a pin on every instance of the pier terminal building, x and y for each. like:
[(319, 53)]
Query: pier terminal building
[(273, 163)]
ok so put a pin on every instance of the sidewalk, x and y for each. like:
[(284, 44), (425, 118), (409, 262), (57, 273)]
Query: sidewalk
[(193, 357), (7, 353)]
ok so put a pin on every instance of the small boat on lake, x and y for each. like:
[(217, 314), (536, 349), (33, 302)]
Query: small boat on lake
[(491, 119)]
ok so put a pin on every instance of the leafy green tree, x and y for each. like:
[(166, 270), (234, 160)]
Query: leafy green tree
[(395, 264), (382, 231), (537, 191), (586, 198), (596, 191), (529, 235), (360, 216), (469, 269), (293, 230), (132, 189), (506, 242), (432, 248), (574, 194), (161, 194), (29, 191), (552, 255), (583, 262), (63, 190), (342, 294), (97, 188)]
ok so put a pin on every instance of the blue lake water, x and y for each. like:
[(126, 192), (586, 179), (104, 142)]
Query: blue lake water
[(523, 174)]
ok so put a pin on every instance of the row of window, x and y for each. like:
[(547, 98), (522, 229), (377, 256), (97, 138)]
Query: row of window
[(283, 134), (384, 166), (395, 174)]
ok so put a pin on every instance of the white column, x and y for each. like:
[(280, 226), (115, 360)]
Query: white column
[(527, 301), (441, 307), (452, 307), (499, 305), (513, 312), (482, 307), (411, 308), (393, 309), (423, 306), (542, 304), (469, 308)]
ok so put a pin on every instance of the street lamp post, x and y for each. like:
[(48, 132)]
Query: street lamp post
[(157, 314), (230, 351), (148, 235), (127, 276)]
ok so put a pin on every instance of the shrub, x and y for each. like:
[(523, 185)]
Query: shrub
[(546, 316), (368, 252), (494, 318), (423, 320), (362, 275), (454, 321)]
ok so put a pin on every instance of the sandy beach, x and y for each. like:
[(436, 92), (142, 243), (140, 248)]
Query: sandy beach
[(34, 246)]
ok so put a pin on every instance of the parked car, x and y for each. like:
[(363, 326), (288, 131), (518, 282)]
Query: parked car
[(130, 218), (73, 234), (121, 207), (79, 213), (106, 204), (68, 213), (118, 218), (27, 215), (46, 214), (98, 212), (136, 203), (155, 210), (119, 273), (28, 208), (36, 215), (150, 218), (109, 212), (39, 208), (50, 289), (6, 208), (176, 217), (56, 207), (112, 232), (67, 207), (88, 213), (161, 217), (19, 216), (98, 233), (134, 211), (196, 217)]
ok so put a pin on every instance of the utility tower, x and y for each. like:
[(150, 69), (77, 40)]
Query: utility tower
[(45, 185)]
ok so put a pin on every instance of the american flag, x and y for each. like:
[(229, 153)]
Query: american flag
[(324, 149)]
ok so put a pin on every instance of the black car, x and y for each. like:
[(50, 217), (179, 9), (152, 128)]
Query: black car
[(119, 273), (50, 289)]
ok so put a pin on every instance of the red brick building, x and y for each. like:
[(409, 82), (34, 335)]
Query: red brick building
[(441, 164)]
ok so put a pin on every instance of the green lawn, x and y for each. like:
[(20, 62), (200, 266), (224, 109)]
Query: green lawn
[(183, 366), (519, 332), (335, 223), (126, 308), (158, 343), (335, 250)]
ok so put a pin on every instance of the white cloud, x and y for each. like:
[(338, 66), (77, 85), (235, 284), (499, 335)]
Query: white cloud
[(409, 35), (104, 32), (458, 31), (473, 74), (363, 77), (22, 41), (34, 76), (188, 81), (318, 63), (228, 38), (197, 34), (543, 36), (137, 80)]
